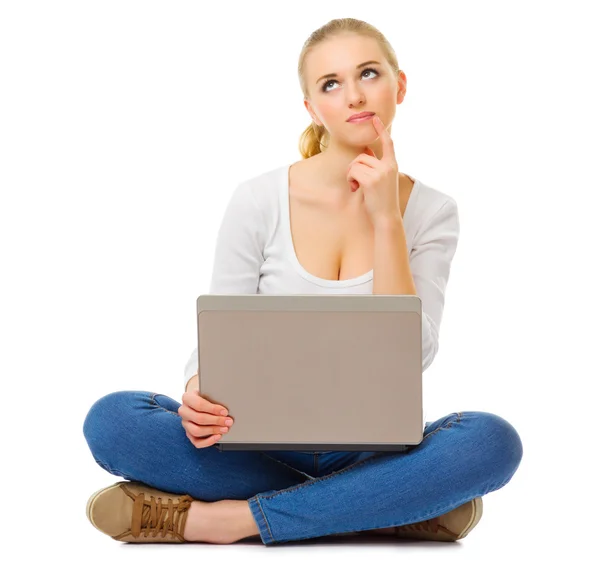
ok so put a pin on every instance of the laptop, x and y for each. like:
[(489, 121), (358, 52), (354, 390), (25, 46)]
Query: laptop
[(313, 372)]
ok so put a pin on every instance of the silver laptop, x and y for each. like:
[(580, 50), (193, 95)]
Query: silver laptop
[(313, 372)]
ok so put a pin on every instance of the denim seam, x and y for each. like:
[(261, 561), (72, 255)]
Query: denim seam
[(360, 463), (445, 426), (286, 465), (110, 470), (160, 406), (426, 516), (264, 517)]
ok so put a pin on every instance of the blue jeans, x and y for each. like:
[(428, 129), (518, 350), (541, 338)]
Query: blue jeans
[(296, 495)]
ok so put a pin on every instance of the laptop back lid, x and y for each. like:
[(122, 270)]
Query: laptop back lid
[(313, 372)]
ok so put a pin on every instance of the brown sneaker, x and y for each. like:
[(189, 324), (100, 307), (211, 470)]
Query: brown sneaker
[(133, 512), (449, 527)]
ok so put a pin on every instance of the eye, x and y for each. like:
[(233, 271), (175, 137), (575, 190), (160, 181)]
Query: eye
[(325, 85)]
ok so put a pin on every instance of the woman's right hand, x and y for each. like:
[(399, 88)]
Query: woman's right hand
[(202, 419)]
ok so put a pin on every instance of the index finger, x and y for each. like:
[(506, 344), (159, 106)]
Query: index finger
[(386, 138), (196, 401)]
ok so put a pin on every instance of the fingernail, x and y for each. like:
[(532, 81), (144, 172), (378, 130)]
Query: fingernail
[(223, 412)]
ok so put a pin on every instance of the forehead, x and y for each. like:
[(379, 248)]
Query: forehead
[(340, 55)]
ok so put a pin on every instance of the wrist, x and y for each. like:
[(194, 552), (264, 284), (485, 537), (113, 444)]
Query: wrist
[(388, 222)]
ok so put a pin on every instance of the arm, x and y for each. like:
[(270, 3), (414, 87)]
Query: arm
[(238, 255), (391, 265), (193, 384), (429, 270)]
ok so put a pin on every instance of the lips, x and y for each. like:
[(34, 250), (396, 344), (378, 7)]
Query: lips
[(360, 115)]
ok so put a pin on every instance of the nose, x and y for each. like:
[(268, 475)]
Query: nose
[(355, 95)]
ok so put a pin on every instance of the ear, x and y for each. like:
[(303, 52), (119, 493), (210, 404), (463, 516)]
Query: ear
[(312, 113), (401, 87)]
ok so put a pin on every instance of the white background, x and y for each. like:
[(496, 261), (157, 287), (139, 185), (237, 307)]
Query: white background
[(125, 126)]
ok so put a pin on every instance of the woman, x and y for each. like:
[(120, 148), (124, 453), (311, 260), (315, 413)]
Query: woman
[(314, 226)]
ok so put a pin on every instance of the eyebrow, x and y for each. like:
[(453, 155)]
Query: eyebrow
[(333, 74)]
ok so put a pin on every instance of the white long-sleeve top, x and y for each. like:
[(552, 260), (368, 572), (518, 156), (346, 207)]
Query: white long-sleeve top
[(254, 252)]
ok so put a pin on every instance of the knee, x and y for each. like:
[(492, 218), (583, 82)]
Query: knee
[(107, 417), (503, 448)]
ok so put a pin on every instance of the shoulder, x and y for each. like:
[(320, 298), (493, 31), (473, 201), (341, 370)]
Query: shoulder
[(434, 209), (270, 183), (265, 187), (255, 201)]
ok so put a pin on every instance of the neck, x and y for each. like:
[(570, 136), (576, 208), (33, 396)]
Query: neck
[(333, 167)]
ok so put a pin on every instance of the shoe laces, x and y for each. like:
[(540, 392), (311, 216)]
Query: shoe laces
[(152, 516)]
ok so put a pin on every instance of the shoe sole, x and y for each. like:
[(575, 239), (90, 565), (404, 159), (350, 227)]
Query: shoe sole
[(90, 503), (476, 516)]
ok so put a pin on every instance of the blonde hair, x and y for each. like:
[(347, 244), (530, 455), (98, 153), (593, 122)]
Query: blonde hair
[(315, 138)]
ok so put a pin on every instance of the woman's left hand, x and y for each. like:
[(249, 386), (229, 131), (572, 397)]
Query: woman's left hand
[(377, 179)]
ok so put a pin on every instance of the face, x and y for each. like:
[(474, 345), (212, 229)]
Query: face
[(372, 87)]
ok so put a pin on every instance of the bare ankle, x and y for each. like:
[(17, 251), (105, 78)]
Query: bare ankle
[(222, 522)]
